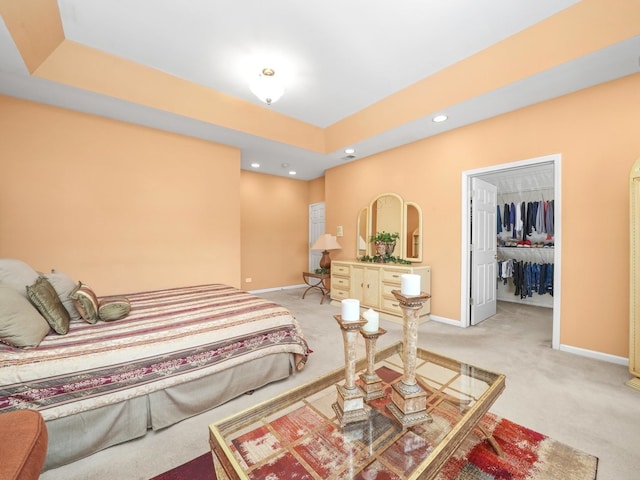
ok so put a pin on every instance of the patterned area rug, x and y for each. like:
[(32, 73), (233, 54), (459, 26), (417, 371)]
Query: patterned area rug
[(528, 455)]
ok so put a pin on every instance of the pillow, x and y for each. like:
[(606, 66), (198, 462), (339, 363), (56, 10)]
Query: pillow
[(113, 308), (17, 274), (64, 285), (86, 302), (44, 297), (20, 323)]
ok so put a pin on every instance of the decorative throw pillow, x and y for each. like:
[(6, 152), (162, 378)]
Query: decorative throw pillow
[(17, 274), (113, 308), (86, 302), (64, 285), (44, 297), (20, 323)]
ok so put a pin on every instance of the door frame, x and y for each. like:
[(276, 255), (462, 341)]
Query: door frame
[(465, 259)]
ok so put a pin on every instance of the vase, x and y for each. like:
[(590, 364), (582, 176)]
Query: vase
[(384, 249)]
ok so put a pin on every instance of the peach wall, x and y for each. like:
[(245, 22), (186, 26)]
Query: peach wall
[(275, 228), (316, 190), (118, 206), (595, 131)]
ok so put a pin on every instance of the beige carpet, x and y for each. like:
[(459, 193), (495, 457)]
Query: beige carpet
[(575, 400)]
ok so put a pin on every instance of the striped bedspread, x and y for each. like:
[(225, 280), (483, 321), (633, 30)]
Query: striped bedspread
[(170, 337)]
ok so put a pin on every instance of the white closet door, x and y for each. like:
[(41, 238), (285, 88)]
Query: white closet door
[(316, 228), (484, 250)]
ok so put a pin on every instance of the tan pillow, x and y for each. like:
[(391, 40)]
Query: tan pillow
[(44, 297), (86, 302), (21, 325), (64, 285), (17, 274), (113, 308)]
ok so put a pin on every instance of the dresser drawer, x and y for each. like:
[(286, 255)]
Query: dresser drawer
[(340, 282), (387, 290), (393, 276), (339, 294), (391, 306), (340, 269)]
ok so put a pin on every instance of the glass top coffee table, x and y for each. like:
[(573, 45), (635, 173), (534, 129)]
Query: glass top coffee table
[(297, 434)]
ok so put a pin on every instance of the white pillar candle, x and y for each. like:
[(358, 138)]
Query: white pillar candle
[(410, 284), (373, 321), (350, 310)]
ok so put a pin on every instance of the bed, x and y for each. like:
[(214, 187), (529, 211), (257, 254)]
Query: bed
[(177, 353)]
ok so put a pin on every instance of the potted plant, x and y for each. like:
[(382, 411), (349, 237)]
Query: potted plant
[(385, 243)]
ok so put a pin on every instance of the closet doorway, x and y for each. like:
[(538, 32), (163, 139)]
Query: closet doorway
[(532, 180)]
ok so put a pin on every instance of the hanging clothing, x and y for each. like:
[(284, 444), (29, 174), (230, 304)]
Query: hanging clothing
[(540, 218), (549, 218), (505, 218)]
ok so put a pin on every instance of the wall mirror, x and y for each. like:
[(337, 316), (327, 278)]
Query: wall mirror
[(413, 232), (390, 213), (361, 233)]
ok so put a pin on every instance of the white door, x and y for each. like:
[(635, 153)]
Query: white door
[(316, 228), (483, 250)]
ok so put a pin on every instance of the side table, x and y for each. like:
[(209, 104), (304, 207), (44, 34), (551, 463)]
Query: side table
[(321, 281)]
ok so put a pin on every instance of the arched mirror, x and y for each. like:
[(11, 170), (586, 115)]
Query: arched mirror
[(361, 233), (386, 215), (389, 213), (413, 232)]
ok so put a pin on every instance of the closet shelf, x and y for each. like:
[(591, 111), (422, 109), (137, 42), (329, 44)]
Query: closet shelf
[(528, 254)]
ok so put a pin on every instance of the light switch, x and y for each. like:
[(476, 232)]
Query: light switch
[(339, 232)]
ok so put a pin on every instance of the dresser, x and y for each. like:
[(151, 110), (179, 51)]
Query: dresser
[(372, 284)]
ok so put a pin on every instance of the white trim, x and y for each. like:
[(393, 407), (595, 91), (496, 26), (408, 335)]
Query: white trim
[(595, 355), (277, 289), (556, 160), (448, 321)]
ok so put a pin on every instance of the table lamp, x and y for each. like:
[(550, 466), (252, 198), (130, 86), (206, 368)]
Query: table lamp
[(326, 242)]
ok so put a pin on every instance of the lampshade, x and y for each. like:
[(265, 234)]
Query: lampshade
[(267, 87), (326, 242)]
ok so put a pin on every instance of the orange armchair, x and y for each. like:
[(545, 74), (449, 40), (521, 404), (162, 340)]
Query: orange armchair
[(23, 445)]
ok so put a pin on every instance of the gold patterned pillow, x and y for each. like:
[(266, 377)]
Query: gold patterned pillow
[(45, 298), (64, 285), (86, 302), (113, 308)]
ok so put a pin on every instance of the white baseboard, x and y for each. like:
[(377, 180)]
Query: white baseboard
[(564, 348), (448, 321), (277, 289), (596, 355)]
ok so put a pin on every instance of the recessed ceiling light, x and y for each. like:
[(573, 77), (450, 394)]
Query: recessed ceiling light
[(440, 118), (292, 172), (285, 165), (255, 165), (349, 151)]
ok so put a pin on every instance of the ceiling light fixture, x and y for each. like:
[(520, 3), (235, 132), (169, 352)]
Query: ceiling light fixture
[(292, 172), (255, 165), (349, 151), (440, 118), (267, 87)]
